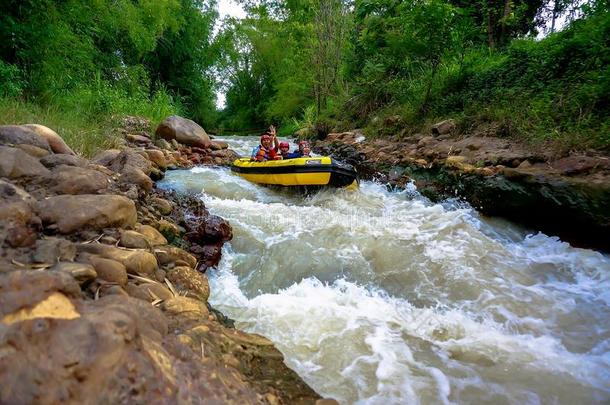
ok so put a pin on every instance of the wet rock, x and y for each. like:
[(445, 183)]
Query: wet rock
[(109, 270), (211, 229), (33, 151), (21, 135), (55, 141), (82, 272), (51, 250), (164, 206), (327, 401), (51, 161), (209, 255), (72, 212), (184, 131), (171, 254), (136, 262), (15, 163), (78, 180), (190, 281), (153, 236)]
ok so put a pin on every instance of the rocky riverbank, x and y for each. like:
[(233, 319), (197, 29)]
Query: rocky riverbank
[(103, 292), (566, 195)]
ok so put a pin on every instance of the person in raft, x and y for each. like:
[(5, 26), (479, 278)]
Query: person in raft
[(267, 150), (303, 151), (286, 154)]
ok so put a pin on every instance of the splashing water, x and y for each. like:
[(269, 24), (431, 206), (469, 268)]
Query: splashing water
[(379, 297)]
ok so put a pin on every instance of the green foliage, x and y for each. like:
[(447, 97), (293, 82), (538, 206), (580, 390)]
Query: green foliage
[(11, 84), (111, 56)]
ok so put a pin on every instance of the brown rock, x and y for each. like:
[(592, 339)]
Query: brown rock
[(54, 160), (157, 157), (443, 127), (129, 159), (190, 281), (151, 292), (32, 150), (55, 141), (15, 163), (20, 135), (105, 157), (133, 239), (168, 229), (209, 255), (138, 139), (133, 175), (71, 212), (78, 180), (24, 289), (184, 131), (109, 270), (163, 144), (153, 236), (218, 145), (135, 261), (171, 254), (50, 250), (212, 229), (82, 272), (19, 224), (327, 401), (186, 308), (164, 206)]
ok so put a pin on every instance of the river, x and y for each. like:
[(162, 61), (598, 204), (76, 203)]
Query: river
[(381, 297)]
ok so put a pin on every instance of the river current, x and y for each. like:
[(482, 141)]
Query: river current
[(380, 297)]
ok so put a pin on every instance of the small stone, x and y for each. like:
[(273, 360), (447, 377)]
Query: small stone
[(153, 236), (133, 239), (80, 271), (109, 270), (172, 254), (168, 229), (185, 307)]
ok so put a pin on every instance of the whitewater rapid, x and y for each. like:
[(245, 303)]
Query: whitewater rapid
[(380, 297)]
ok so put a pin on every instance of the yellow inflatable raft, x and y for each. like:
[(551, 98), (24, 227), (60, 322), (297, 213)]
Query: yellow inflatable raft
[(315, 171)]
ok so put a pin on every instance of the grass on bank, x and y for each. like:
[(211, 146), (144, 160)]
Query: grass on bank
[(87, 118)]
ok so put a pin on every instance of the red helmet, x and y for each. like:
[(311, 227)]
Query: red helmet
[(265, 137), (284, 144)]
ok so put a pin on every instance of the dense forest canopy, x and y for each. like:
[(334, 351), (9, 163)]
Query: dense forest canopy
[(389, 66)]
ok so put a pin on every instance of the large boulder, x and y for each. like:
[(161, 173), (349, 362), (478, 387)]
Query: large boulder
[(19, 135), (15, 163), (78, 180), (72, 212), (55, 141), (183, 130)]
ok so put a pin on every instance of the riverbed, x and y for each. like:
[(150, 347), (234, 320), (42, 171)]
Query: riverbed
[(383, 297)]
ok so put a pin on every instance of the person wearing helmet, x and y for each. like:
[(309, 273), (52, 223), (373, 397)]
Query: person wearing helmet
[(304, 149), (285, 151), (266, 150)]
